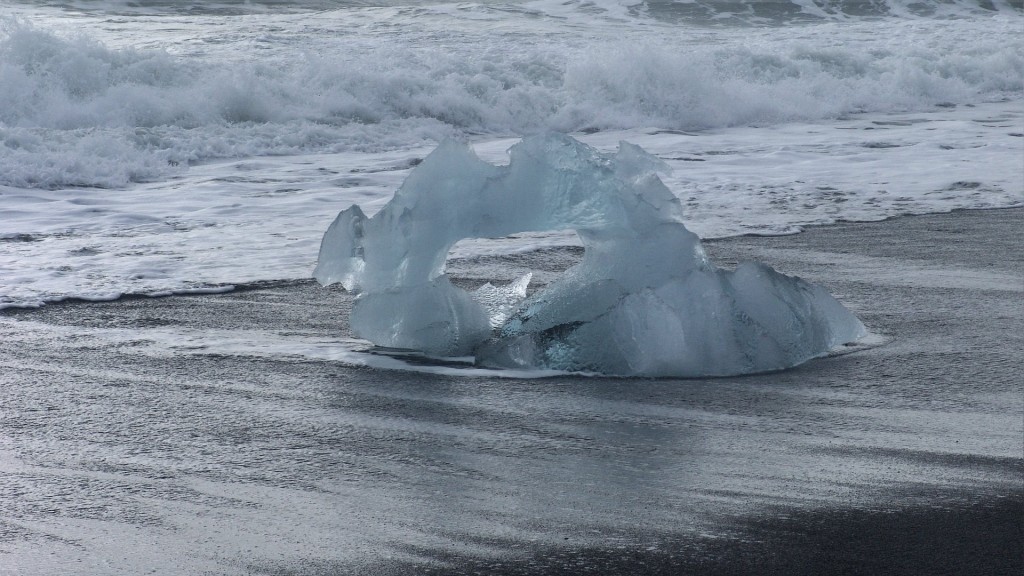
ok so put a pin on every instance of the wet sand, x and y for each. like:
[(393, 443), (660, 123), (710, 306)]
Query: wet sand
[(216, 434)]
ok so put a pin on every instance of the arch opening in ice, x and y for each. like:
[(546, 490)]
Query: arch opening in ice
[(644, 300)]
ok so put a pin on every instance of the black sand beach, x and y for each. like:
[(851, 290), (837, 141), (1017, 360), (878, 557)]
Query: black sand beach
[(216, 434)]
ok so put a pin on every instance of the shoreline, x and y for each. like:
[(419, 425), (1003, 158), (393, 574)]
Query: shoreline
[(281, 282), (216, 434)]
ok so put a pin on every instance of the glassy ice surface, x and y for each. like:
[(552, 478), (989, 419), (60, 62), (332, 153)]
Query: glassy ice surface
[(645, 300)]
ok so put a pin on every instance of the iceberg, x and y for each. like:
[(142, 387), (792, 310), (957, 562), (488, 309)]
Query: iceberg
[(644, 301)]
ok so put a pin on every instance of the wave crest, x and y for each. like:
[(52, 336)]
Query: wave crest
[(74, 112)]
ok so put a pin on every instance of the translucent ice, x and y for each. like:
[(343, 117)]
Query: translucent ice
[(644, 300)]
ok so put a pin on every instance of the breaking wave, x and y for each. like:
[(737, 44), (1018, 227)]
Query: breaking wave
[(777, 11), (75, 112), (723, 11)]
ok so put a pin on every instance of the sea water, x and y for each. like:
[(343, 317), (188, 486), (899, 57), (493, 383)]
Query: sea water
[(154, 147)]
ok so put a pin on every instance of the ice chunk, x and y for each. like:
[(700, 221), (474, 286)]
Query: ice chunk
[(644, 300)]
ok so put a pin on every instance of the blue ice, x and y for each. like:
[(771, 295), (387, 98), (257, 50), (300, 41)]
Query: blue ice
[(644, 301)]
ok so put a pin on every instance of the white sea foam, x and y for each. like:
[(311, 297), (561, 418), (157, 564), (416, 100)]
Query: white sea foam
[(261, 219), (147, 147), (75, 111)]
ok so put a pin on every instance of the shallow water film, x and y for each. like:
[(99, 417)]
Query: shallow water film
[(237, 434)]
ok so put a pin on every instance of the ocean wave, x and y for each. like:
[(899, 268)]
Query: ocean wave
[(725, 12), (721, 11), (75, 112)]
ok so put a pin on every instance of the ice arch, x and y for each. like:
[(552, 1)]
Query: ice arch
[(644, 300)]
